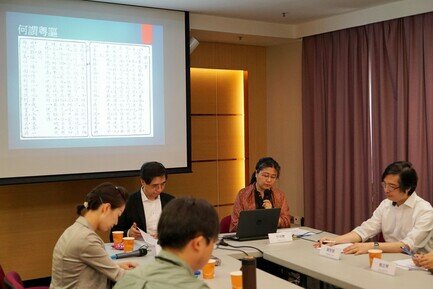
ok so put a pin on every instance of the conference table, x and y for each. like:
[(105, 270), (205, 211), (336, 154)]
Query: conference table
[(349, 272), (230, 261), (299, 255)]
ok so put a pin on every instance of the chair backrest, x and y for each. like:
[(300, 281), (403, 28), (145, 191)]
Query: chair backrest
[(13, 279), (2, 278), (225, 224), (7, 285)]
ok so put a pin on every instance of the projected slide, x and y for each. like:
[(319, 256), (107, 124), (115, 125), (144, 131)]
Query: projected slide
[(81, 82)]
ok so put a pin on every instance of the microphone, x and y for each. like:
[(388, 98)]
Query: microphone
[(137, 253), (267, 195)]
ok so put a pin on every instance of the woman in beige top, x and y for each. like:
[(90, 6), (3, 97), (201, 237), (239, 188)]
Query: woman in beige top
[(79, 257)]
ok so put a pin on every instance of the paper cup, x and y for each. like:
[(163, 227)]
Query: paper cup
[(128, 244), (209, 269), (374, 253), (117, 237), (236, 277)]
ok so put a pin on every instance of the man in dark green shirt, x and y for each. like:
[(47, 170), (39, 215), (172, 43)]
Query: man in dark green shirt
[(187, 231)]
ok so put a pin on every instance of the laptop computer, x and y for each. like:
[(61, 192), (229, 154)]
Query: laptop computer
[(256, 224)]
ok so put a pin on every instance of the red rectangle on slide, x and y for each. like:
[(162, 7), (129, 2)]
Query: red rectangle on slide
[(146, 34)]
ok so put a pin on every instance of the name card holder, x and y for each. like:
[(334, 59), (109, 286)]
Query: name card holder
[(383, 266), (280, 237), (330, 252)]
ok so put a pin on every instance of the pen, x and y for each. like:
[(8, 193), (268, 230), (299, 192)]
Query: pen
[(304, 235), (407, 250)]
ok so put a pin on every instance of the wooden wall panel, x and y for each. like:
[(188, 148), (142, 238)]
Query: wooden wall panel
[(204, 138), (231, 176), (203, 91), (230, 83), (230, 142), (224, 210), (201, 183), (253, 60)]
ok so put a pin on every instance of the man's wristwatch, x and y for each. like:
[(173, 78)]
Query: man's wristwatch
[(376, 245)]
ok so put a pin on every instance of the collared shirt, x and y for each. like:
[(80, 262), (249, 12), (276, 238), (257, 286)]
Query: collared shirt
[(410, 223), (166, 272), (152, 211)]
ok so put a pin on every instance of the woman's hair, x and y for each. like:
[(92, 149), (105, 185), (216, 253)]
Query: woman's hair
[(406, 172), (103, 193), (266, 162)]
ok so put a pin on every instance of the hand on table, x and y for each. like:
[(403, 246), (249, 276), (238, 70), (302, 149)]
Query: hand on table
[(424, 260), (329, 241), (358, 248)]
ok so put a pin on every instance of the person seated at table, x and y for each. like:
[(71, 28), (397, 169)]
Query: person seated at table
[(424, 260), (262, 193), (403, 217), (79, 256), (144, 207), (187, 231)]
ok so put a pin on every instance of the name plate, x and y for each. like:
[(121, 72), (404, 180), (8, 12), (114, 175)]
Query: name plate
[(330, 252), (383, 266), (280, 237)]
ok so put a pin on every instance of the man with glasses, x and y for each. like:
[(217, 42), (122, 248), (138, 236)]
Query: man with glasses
[(404, 219), (144, 207)]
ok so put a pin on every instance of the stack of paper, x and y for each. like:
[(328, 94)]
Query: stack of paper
[(296, 231), (407, 264)]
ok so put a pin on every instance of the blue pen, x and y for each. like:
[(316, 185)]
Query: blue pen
[(302, 235), (407, 251)]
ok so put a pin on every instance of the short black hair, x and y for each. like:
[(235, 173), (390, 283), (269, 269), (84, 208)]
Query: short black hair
[(408, 177), (151, 170), (263, 163), (184, 219)]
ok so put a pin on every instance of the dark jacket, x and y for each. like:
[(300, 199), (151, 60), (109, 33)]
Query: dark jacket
[(134, 212)]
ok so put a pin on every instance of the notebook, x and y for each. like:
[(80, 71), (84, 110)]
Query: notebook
[(256, 224)]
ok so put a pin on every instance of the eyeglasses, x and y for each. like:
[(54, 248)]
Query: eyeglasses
[(267, 176), (390, 187), (157, 186)]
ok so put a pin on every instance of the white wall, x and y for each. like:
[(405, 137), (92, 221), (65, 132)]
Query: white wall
[(284, 110), (293, 31)]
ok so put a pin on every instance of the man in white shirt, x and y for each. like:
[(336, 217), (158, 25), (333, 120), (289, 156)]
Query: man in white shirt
[(403, 217), (144, 207)]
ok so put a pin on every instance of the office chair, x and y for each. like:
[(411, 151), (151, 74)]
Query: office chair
[(2, 277), (225, 224), (13, 281)]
